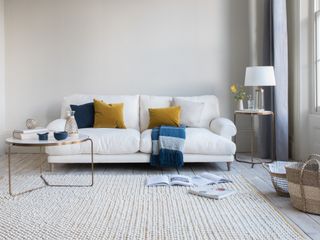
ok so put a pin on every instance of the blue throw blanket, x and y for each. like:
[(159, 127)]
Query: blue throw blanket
[(167, 146)]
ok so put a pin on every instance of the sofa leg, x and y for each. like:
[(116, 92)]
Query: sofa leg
[(51, 167), (229, 166)]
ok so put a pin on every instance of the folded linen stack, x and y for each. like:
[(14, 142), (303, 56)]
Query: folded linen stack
[(28, 134)]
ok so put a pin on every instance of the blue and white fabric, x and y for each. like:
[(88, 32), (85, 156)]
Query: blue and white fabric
[(168, 146)]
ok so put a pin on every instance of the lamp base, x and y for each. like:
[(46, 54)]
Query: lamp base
[(259, 99)]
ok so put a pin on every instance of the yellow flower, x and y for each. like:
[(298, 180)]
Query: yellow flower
[(233, 88)]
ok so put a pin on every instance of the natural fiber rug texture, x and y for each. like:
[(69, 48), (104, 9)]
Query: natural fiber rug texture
[(122, 207)]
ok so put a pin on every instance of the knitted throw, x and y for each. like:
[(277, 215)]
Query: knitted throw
[(167, 146)]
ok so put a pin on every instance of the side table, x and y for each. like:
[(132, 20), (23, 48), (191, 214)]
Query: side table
[(42, 144), (252, 114)]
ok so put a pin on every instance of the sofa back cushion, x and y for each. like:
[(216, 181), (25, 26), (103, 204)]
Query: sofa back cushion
[(191, 112), (131, 106), (147, 102), (210, 110)]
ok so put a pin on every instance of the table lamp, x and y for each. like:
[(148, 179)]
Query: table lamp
[(259, 76)]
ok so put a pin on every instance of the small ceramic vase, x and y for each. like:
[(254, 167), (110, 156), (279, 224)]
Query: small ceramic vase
[(240, 105)]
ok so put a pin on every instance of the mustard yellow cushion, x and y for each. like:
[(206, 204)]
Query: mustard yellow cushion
[(164, 116), (108, 115)]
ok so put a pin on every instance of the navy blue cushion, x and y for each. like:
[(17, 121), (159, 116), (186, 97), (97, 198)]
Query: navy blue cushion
[(84, 115)]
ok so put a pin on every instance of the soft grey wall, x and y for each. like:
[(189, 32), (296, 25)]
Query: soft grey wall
[(160, 47), (256, 26), (2, 78)]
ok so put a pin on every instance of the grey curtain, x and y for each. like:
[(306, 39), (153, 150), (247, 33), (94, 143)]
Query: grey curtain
[(275, 53), (280, 62)]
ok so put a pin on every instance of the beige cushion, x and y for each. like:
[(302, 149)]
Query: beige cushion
[(210, 111), (191, 112)]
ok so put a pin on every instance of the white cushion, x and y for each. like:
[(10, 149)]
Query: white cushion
[(191, 112), (147, 102), (131, 106), (106, 141), (210, 111), (223, 127), (198, 141)]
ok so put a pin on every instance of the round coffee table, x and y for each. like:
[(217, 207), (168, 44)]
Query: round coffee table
[(42, 144)]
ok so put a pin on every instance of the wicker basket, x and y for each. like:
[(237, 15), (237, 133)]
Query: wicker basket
[(278, 177), (304, 184)]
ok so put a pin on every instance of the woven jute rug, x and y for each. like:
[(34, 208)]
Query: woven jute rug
[(122, 207)]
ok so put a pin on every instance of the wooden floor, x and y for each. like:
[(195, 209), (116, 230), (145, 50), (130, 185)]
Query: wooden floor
[(308, 223)]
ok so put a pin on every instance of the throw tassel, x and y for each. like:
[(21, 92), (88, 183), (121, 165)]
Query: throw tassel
[(154, 160), (170, 158)]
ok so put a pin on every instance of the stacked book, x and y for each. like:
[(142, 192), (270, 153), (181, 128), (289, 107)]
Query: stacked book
[(28, 134)]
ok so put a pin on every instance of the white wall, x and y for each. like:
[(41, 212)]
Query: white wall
[(161, 47), (2, 78)]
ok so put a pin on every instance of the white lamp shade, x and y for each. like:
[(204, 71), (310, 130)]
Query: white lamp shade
[(260, 76)]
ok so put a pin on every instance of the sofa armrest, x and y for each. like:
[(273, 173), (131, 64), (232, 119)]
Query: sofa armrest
[(223, 127), (57, 125)]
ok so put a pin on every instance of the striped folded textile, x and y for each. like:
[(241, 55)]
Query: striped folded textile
[(167, 146)]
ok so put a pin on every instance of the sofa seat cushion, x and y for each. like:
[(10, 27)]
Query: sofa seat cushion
[(105, 141), (198, 141)]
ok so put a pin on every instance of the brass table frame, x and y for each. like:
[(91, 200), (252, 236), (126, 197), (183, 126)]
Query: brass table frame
[(14, 142), (252, 115)]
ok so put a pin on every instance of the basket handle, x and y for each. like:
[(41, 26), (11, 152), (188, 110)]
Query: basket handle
[(314, 156), (309, 161)]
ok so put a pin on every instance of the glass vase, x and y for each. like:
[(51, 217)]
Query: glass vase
[(250, 104), (71, 126)]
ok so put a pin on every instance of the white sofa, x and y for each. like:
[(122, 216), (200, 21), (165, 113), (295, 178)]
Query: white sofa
[(210, 141)]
